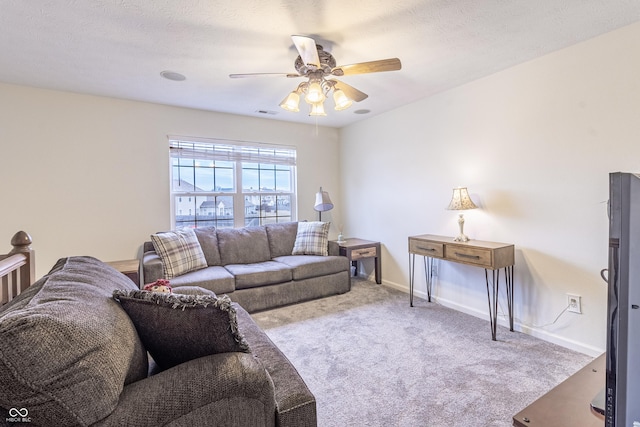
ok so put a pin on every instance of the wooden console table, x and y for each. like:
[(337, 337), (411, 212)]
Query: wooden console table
[(488, 255), (568, 404)]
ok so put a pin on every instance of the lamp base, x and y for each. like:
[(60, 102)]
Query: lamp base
[(461, 237)]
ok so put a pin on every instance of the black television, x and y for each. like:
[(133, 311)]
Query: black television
[(621, 405)]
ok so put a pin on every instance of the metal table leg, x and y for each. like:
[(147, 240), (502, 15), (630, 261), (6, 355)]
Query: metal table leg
[(492, 295), (428, 274), (412, 264), (508, 274)]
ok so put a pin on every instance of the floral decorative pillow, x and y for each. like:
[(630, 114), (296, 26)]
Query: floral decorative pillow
[(179, 251), (176, 328), (312, 238)]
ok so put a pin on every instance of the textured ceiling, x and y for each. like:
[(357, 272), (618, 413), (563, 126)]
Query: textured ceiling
[(118, 48)]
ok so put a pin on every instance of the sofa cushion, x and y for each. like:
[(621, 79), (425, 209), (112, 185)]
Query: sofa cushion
[(307, 266), (312, 238), (282, 237), (176, 328), (259, 274), (216, 279), (66, 348), (208, 238), (180, 252), (243, 245)]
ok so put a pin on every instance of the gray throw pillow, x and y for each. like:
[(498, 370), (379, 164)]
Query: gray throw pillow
[(177, 328), (193, 290)]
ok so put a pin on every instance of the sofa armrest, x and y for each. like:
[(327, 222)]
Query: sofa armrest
[(151, 268), (334, 248), (296, 405), (231, 387)]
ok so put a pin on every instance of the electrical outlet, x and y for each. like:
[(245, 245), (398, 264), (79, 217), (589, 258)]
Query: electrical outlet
[(434, 270), (575, 303)]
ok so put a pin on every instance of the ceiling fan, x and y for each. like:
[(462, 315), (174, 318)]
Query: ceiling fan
[(319, 66)]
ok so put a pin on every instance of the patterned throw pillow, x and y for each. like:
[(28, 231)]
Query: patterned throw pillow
[(177, 328), (179, 251), (312, 238)]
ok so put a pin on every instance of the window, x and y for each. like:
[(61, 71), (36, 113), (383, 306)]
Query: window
[(231, 184)]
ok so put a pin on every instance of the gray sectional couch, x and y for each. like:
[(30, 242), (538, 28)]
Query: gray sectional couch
[(255, 267), (71, 355)]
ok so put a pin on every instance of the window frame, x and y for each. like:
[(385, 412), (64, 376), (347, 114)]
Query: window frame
[(239, 153)]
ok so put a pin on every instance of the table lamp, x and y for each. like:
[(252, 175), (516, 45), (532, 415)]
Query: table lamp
[(461, 201)]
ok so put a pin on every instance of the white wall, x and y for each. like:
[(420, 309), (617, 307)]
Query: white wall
[(534, 144), (87, 175)]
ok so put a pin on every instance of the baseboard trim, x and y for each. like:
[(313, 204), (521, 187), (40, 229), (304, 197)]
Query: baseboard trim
[(503, 321)]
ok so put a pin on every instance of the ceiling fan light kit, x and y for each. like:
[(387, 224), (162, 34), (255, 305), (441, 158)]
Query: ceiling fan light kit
[(315, 64), (291, 102), (317, 109), (341, 100), (314, 93)]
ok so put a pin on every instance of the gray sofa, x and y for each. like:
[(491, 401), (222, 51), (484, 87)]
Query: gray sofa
[(255, 267), (70, 355)]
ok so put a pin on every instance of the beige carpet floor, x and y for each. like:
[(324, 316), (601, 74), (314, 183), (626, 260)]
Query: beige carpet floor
[(371, 360)]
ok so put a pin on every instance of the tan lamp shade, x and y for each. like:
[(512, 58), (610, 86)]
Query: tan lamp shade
[(460, 200)]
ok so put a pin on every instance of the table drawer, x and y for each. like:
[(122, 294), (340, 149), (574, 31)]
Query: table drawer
[(426, 248), (363, 253), (476, 256)]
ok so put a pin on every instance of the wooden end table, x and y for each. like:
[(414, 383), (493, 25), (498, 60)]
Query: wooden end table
[(357, 249), (129, 267)]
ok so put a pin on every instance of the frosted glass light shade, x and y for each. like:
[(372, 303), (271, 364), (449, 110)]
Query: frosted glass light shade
[(291, 102), (341, 100), (317, 109), (314, 94)]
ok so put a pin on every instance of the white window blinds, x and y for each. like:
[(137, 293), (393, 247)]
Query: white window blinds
[(215, 149)]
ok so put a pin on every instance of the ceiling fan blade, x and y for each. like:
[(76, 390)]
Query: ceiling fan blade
[(350, 91), (308, 51), (391, 64), (241, 76)]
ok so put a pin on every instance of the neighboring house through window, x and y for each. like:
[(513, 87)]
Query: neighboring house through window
[(231, 184)]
